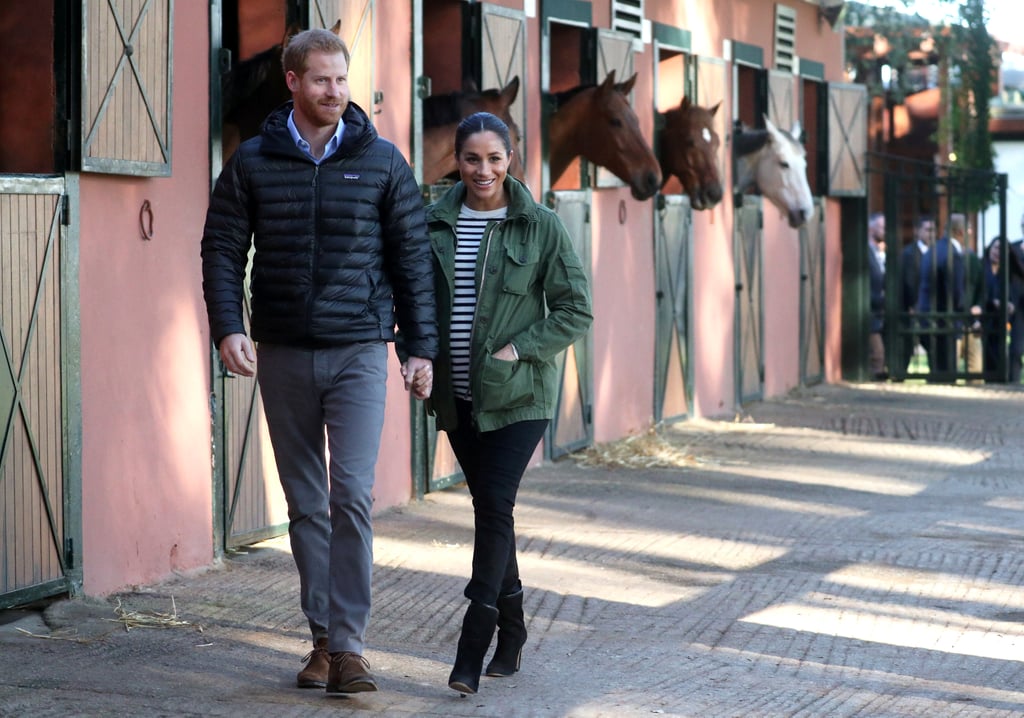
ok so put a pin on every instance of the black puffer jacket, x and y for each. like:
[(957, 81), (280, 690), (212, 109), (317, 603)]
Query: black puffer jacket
[(341, 248)]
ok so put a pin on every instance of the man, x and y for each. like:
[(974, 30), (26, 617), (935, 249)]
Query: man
[(942, 291), (970, 343), (910, 271), (341, 252), (876, 268)]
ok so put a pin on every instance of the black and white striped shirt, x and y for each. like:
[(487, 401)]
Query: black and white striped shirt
[(468, 232)]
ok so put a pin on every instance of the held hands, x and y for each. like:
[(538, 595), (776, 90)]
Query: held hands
[(238, 355), (419, 377)]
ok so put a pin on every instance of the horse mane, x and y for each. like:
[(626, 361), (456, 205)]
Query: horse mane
[(246, 78), (747, 141), (447, 109), (560, 98)]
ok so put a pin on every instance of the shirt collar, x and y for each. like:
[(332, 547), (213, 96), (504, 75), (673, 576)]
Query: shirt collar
[(332, 144)]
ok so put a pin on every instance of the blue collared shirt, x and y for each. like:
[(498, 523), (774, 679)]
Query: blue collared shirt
[(332, 144)]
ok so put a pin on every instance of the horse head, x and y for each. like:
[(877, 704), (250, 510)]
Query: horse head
[(773, 162), (688, 148), (442, 114), (598, 123)]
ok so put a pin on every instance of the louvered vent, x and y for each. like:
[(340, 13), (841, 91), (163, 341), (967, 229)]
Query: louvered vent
[(627, 16), (785, 38)]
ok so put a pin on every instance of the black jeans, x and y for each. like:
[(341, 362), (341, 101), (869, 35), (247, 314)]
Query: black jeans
[(493, 463)]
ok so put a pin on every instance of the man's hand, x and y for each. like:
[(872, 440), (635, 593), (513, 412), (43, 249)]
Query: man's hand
[(419, 376), (238, 355)]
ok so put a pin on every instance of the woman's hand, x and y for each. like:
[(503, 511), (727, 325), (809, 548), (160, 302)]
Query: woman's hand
[(507, 353)]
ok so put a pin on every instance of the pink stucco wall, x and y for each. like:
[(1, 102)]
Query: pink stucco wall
[(146, 480), (147, 483)]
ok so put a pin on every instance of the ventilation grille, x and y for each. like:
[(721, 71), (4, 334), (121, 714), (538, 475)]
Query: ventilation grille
[(785, 38), (627, 17)]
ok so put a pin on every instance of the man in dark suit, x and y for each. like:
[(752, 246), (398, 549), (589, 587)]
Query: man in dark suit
[(943, 282), (910, 280)]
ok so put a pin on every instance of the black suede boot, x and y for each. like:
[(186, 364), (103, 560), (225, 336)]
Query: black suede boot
[(511, 635), (477, 632)]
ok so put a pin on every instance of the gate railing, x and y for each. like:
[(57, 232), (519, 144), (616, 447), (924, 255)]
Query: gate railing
[(943, 337)]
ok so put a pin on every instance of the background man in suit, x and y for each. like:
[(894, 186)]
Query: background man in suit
[(910, 279), (942, 291)]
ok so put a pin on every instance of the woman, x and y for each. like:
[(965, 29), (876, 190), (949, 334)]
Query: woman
[(994, 294), (511, 295)]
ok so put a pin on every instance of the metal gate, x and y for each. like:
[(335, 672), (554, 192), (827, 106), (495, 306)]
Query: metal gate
[(934, 331), (749, 318), (573, 425), (673, 253), (40, 390), (812, 296)]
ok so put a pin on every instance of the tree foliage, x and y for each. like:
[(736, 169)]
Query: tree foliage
[(962, 62)]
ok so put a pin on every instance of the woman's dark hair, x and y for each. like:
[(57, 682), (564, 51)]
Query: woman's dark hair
[(481, 122)]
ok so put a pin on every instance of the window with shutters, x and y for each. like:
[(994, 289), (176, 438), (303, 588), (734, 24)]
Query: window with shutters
[(627, 17), (126, 87), (785, 38)]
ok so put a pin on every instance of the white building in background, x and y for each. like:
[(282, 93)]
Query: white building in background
[(1007, 127)]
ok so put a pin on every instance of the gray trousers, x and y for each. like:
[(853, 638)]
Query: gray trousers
[(342, 390)]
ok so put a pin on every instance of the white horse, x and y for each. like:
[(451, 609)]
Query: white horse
[(773, 163)]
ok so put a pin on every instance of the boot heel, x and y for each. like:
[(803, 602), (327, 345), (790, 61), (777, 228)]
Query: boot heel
[(508, 654), (477, 632)]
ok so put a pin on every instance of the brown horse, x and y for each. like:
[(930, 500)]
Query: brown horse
[(442, 114), (597, 123), (688, 149)]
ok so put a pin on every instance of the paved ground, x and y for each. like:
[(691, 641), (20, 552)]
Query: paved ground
[(845, 551)]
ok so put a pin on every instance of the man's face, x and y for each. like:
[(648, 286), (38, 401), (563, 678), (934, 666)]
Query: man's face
[(878, 229), (926, 232), (321, 93)]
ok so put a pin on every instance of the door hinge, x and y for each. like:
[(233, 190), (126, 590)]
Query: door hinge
[(65, 211)]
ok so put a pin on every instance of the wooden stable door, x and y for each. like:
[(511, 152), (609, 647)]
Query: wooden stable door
[(749, 321), (673, 261), (40, 409), (812, 296), (573, 426)]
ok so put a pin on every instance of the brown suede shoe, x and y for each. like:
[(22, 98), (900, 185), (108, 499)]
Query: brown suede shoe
[(318, 662), (350, 673)]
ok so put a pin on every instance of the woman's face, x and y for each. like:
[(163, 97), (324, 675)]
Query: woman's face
[(993, 253), (483, 164)]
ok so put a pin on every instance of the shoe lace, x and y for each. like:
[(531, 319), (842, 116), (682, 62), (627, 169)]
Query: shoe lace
[(309, 656)]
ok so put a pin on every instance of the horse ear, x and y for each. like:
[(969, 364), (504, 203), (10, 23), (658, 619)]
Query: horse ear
[(714, 109), (290, 32), (626, 87), (609, 81), (336, 28), (684, 104), (510, 91), (796, 131), (772, 129), (469, 85)]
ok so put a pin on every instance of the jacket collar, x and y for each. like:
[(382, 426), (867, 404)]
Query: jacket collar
[(359, 132), (520, 204)]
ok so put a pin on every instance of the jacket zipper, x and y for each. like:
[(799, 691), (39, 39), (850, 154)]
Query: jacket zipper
[(480, 293), (313, 260)]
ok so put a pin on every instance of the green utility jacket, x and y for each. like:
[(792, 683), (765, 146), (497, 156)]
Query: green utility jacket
[(524, 260)]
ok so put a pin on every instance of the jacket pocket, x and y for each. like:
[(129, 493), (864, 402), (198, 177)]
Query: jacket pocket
[(520, 267), (505, 384)]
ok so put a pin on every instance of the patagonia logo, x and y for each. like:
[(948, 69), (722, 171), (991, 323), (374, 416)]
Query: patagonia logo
[(351, 175)]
